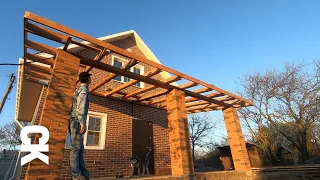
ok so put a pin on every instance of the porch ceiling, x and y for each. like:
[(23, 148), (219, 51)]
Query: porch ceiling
[(205, 97)]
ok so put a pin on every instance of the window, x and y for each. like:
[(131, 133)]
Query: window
[(94, 138), (118, 62)]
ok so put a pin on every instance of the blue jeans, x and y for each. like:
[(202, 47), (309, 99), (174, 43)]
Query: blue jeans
[(77, 164)]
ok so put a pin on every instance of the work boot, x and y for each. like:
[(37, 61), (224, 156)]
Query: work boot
[(78, 178)]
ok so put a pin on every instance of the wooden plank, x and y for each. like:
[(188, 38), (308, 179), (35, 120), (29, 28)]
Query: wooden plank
[(159, 101), (212, 95), (125, 100), (202, 90), (40, 59), (203, 107), (118, 71), (196, 103), (151, 87), (40, 47), (125, 53), (36, 74), (113, 75), (132, 82), (98, 58), (38, 68), (37, 80), (225, 98), (55, 36), (150, 96), (172, 79), (188, 85)]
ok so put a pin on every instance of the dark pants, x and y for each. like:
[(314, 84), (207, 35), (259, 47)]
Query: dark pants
[(77, 164)]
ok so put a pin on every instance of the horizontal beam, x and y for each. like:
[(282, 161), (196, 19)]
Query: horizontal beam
[(40, 59), (55, 36), (115, 70), (37, 80), (202, 90), (150, 96), (213, 95), (38, 68), (203, 107), (113, 75), (40, 47), (36, 74), (132, 82), (188, 85)]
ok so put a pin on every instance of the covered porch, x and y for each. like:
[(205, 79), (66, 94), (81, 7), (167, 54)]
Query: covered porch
[(57, 68)]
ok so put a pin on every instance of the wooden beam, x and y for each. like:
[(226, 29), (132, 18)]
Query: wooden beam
[(202, 90), (196, 103), (98, 58), (203, 107), (212, 95), (40, 47), (151, 87), (113, 75), (228, 98), (37, 80), (172, 79), (37, 74), (188, 85), (67, 43), (55, 36), (150, 96), (125, 53), (38, 68), (159, 101), (125, 100), (40, 59), (132, 82), (118, 71)]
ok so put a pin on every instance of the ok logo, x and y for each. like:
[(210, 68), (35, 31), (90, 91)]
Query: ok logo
[(34, 149)]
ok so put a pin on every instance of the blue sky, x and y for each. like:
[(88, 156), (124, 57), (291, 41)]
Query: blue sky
[(215, 41)]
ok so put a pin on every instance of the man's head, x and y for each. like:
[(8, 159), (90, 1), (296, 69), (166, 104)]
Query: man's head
[(84, 77)]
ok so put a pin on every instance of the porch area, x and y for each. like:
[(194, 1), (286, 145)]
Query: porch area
[(57, 69)]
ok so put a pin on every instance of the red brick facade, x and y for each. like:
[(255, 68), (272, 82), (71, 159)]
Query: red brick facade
[(114, 159)]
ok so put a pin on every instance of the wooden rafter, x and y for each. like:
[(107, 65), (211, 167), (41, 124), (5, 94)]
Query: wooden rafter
[(98, 58), (40, 47), (156, 101), (55, 36), (127, 66), (202, 90), (132, 82), (68, 35), (188, 85), (196, 103), (38, 68), (151, 87), (40, 59), (36, 74), (150, 96), (203, 107)]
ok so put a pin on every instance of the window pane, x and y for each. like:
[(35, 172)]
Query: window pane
[(126, 79), (93, 138), (137, 71), (94, 123), (117, 64)]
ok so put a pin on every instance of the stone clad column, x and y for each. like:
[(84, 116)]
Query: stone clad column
[(237, 145), (56, 115), (179, 137)]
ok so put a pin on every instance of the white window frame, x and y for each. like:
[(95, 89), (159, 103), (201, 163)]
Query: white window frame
[(103, 128), (124, 61)]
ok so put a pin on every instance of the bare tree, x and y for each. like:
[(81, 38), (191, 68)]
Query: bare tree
[(200, 125), (10, 135), (283, 97)]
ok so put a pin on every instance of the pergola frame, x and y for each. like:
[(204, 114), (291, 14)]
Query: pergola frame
[(58, 33), (59, 68)]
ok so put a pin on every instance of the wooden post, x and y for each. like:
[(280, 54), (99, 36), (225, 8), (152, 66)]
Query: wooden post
[(179, 137), (237, 145), (56, 115)]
